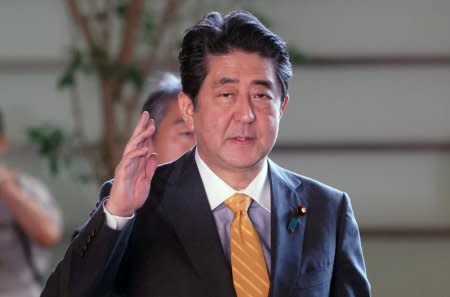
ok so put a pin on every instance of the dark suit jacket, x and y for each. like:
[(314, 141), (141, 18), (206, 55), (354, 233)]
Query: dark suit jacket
[(172, 248)]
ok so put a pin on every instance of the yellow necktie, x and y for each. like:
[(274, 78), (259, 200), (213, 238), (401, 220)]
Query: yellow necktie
[(250, 277)]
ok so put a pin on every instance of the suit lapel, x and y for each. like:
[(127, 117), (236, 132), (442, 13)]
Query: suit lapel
[(188, 210), (286, 245)]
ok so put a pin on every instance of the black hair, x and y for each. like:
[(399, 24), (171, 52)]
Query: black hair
[(239, 30)]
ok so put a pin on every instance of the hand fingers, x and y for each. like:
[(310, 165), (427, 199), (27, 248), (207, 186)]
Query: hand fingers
[(130, 159), (148, 141), (142, 123), (140, 152), (143, 138), (138, 140), (144, 161)]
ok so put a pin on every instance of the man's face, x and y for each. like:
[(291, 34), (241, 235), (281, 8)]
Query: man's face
[(238, 112), (173, 137)]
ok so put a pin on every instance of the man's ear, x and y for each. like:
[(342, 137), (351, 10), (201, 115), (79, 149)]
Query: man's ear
[(186, 107), (284, 104)]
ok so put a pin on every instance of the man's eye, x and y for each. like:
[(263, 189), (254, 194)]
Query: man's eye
[(263, 96)]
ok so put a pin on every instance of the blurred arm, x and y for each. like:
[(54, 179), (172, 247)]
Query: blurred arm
[(30, 215)]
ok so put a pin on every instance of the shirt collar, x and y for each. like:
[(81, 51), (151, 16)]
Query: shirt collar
[(218, 191)]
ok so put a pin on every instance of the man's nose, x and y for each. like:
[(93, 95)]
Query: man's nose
[(244, 110)]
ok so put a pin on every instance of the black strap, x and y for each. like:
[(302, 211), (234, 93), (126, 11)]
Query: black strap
[(26, 245)]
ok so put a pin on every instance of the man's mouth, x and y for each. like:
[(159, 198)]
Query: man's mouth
[(242, 139)]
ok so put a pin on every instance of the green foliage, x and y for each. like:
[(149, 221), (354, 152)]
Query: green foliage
[(97, 61), (100, 16), (121, 8), (67, 79), (49, 140), (148, 27), (131, 75)]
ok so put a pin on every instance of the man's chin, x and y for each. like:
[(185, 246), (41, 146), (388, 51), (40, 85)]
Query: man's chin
[(244, 162)]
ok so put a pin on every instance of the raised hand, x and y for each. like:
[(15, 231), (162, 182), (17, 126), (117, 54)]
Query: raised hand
[(135, 170)]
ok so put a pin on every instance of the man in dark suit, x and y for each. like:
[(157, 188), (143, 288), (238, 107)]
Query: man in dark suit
[(180, 229)]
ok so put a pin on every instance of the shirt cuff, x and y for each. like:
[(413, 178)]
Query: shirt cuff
[(115, 222)]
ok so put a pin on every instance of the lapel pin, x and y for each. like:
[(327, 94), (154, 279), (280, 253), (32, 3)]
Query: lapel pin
[(301, 210), (293, 221), (292, 225)]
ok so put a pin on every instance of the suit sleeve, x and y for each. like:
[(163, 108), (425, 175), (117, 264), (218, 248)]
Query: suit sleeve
[(91, 263), (349, 276)]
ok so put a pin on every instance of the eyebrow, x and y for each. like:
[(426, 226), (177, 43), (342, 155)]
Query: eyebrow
[(262, 82), (265, 83), (226, 80)]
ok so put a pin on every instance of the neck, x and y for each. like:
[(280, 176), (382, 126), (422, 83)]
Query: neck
[(237, 178)]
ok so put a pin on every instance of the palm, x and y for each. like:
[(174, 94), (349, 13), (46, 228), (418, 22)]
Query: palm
[(134, 173)]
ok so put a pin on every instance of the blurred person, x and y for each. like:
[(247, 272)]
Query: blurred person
[(222, 220), (30, 224), (172, 137)]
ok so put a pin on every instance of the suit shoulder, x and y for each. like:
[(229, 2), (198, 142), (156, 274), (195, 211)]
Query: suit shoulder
[(320, 186), (308, 185)]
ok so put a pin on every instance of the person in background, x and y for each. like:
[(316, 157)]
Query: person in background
[(223, 220), (30, 224), (172, 137)]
